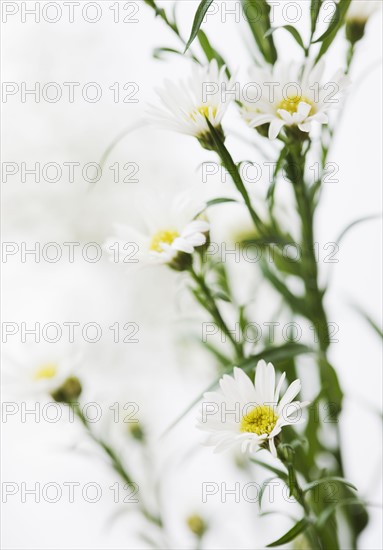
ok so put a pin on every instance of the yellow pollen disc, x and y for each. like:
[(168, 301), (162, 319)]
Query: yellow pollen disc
[(45, 371), (291, 104), (260, 420), (167, 237), (204, 110)]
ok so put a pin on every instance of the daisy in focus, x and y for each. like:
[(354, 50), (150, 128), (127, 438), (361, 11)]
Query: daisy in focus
[(247, 415), (291, 96), (187, 104), (171, 232)]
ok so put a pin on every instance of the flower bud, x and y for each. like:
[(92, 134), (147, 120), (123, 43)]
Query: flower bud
[(182, 262), (206, 140), (68, 392), (197, 525), (355, 31), (357, 17), (136, 431)]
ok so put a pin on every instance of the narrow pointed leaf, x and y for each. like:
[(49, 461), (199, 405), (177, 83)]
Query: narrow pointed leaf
[(298, 528), (220, 200), (292, 30), (210, 52), (263, 489), (314, 12), (329, 36), (278, 472), (199, 16), (158, 52), (329, 510), (329, 479), (370, 321), (257, 14), (356, 222)]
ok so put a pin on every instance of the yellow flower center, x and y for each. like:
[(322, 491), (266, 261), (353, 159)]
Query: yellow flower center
[(290, 104), (204, 110), (167, 236), (45, 371), (260, 420)]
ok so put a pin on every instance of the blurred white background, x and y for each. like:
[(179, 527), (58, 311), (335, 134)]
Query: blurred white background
[(165, 371)]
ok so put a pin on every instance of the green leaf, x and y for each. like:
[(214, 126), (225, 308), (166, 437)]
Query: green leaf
[(297, 305), (263, 489), (357, 222), (257, 14), (292, 30), (329, 479), (221, 358), (329, 510), (219, 200), (214, 202), (314, 12), (279, 473), (159, 12), (370, 321), (287, 265), (200, 14), (332, 389), (298, 528), (275, 354), (278, 166), (157, 53), (210, 52), (330, 34)]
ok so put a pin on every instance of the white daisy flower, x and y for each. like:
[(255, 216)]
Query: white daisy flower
[(249, 415), (44, 376), (171, 232), (361, 10), (187, 104), (291, 96)]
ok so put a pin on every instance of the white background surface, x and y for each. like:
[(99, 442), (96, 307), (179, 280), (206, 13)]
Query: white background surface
[(159, 373)]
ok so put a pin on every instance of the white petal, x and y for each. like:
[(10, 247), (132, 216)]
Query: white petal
[(273, 449), (286, 116), (196, 226), (245, 386), (265, 382), (322, 118), (278, 389), (291, 392), (306, 127), (182, 245), (275, 127), (304, 109), (198, 239)]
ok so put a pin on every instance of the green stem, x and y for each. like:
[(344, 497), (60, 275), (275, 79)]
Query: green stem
[(212, 308), (297, 492), (116, 463), (228, 163), (350, 57), (314, 299)]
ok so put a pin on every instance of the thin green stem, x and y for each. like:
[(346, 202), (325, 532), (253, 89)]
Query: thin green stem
[(116, 463), (318, 540), (211, 307), (229, 164)]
